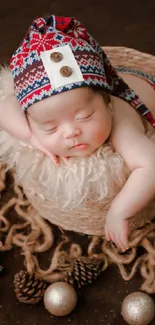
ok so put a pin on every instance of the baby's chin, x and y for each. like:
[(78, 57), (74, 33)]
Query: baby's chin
[(80, 153)]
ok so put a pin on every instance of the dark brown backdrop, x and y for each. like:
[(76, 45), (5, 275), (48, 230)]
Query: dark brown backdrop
[(112, 22)]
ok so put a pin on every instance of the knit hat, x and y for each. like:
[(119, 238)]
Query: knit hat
[(58, 54)]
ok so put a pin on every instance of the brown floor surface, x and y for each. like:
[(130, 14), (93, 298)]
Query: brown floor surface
[(125, 23)]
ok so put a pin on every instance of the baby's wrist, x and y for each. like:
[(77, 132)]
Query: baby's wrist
[(116, 211)]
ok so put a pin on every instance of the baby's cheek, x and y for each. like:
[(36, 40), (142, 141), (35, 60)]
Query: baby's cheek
[(52, 145), (99, 136), (49, 145)]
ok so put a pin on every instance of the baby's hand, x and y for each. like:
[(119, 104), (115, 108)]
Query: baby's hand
[(18, 127), (35, 143), (117, 231)]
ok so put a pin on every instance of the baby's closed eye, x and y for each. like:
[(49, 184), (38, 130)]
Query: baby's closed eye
[(51, 130), (84, 116), (48, 128)]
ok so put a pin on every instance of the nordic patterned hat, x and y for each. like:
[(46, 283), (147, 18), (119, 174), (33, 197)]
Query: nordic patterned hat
[(58, 54)]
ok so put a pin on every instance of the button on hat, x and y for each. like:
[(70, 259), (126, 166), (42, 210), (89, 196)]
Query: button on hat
[(66, 71), (56, 56)]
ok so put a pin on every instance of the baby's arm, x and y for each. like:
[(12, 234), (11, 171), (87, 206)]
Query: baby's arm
[(138, 151), (14, 122)]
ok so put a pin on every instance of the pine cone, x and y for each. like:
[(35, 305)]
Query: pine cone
[(83, 272), (28, 288)]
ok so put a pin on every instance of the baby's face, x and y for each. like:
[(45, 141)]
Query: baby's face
[(74, 123)]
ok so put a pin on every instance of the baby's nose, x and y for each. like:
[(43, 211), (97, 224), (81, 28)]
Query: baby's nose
[(71, 132)]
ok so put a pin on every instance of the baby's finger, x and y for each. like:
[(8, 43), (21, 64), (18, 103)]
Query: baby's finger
[(119, 242), (122, 245), (55, 159), (113, 237), (124, 240), (65, 159), (107, 235)]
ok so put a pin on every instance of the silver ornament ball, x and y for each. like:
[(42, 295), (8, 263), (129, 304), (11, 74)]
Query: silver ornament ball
[(60, 299), (138, 308)]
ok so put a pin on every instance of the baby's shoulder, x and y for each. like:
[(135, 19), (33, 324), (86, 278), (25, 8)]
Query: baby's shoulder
[(125, 118), (126, 131), (129, 139)]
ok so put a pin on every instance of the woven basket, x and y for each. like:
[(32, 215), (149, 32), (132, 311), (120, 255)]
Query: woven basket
[(69, 195)]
